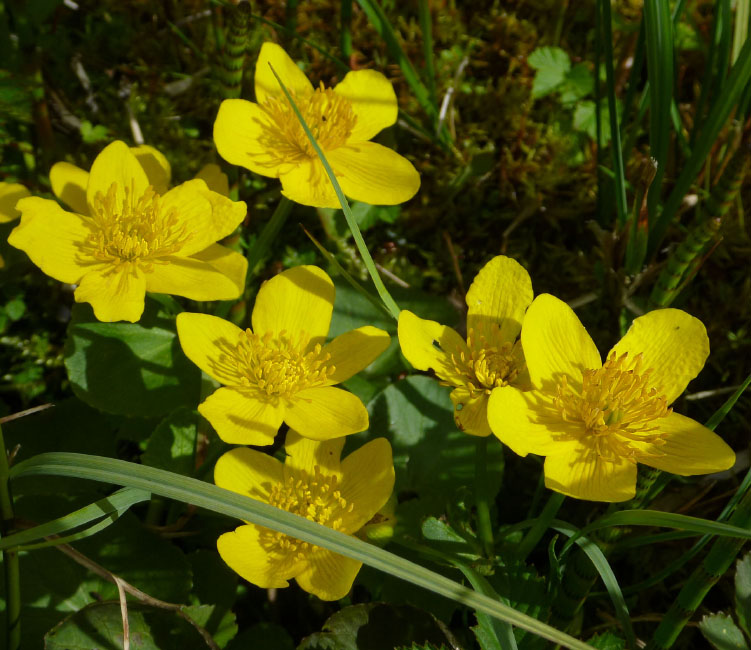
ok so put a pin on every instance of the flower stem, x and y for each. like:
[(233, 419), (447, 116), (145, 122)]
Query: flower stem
[(10, 557), (542, 523), (268, 234), (484, 525)]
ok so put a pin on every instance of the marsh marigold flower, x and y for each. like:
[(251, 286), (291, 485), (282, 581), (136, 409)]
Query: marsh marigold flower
[(128, 234), (282, 370), (315, 484), (491, 355), (267, 138), (595, 421), (10, 194)]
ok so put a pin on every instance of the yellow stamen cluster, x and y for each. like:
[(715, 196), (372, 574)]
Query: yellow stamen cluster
[(136, 231), (484, 368), (279, 365), (616, 407), (329, 116), (317, 497)]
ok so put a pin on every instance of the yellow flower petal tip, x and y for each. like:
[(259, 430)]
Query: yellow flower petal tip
[(348, 496), (282, 370), (10, 195), (266, 137), (130, 234), (490, 357), (595, 421)]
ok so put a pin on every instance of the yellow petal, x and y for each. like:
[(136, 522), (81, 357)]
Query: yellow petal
[(497, 299), (242, 417), (229, 263), (10, 194), (576, 471), (211, 343), (304, 454), (308, 184), (555, 343), (373, 102), (241, 136), (50, 236), (69, 185), (192, 278), (114, 294), (328, 575), (300, 299), (271, 55), (156, 166), (672, 343), (215, 178), (367, 483), (326, 412), (248, 472), (206, 215), (527, 422), (243, 550), (471, 413), (689, 448), (375, 174), (352, 351), (428, 345), (116, 164)]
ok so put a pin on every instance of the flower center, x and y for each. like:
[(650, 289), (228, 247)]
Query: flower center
[(329, 116), (136, 231), (317, 497), (279, 365), (616, 407), (485, 367)]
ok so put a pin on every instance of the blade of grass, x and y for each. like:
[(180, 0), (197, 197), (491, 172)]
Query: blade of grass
[(426, 27), (740, 30), (11, 568), (345, 28), (658, 27), (348, 216), (734, 88), (216, 499), (269, 233)]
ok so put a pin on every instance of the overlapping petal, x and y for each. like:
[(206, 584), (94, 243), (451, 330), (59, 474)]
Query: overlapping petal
[(211, 342), (326, 412), (192, 278), (328, 575), (69, 185), (10, 194), (352, 351), (243, 417), (373, 101), (266, 84), (470, 412), (303, 455), (308, 184), (216, 180), (116, 164), (229, 263), (299, 300), (672, 343), (51, 237), (428, 345), (156, 166), (114, 294), (248, 472), (497, 299), (556, 344)]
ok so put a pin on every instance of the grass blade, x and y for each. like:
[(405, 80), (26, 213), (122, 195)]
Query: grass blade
[(216, 499)]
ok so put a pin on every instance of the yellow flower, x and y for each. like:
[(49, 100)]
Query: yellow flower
[(497, 299), (267, 138), (592, 421), (282, 370), (128, 234), (313, 483), (10, 194)]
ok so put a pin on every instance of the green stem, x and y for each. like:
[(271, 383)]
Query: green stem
[(268, 234), (542, 523), (10, 558), (484, 525)]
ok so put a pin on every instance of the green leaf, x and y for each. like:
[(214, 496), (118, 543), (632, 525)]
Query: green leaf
[(743, 592), (552, 65), (221, 624), (607, 641), (173, 443), (15, 308), (585, 119), (263, 636), (97, 626), (722, 632), (375, 626), (91, 134), (367, 215), (577, 84), (129, 368)]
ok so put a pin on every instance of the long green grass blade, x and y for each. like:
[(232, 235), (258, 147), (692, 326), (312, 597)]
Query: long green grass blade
[(268, 234), (719, 415), (734, 87), (345, 28), (383, 292), (740, 29), (117, 502), (204, 495)]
